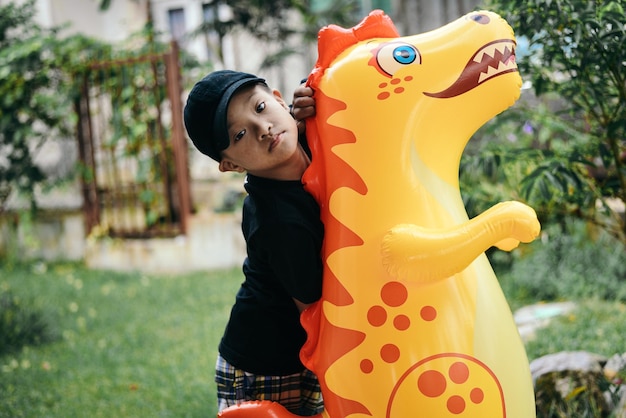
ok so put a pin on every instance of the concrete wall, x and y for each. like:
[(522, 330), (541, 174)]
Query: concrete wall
[(214, 241), (53, 235)]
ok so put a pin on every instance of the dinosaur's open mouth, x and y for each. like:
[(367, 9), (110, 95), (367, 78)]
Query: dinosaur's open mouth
[(494, 59)]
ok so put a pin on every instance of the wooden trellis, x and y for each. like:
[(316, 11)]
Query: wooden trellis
[(132, 147)]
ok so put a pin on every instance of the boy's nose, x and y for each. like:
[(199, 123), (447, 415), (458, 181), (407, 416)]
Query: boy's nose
[(266, 133)]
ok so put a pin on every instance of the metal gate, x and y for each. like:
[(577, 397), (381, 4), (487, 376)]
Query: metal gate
[(132, 147)]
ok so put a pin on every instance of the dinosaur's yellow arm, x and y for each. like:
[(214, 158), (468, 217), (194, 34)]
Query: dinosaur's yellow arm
[(427, 254)]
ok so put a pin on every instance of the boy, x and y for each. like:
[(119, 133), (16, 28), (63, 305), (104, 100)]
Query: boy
[(238, 121)]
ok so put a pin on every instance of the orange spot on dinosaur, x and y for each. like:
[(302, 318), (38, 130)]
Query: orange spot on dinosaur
[(428, 313), (394, 294)]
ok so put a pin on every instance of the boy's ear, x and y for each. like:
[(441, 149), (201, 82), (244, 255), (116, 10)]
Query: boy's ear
[(227, 165), (279, 98)]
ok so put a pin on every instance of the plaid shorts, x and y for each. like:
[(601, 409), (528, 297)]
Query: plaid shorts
[(300, 393)]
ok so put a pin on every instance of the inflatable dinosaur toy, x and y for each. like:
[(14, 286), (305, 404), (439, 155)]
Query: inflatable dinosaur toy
[(412, 321)]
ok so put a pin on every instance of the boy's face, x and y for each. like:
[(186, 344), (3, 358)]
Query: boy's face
[(263, 135)]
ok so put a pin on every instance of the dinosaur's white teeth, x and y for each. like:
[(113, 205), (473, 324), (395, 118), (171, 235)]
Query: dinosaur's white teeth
[(502, 66), (490, 50)]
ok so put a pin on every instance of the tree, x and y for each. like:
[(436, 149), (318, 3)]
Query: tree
[(33, 107), (572, 142)]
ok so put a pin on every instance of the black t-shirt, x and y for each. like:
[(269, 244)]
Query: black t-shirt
[(283, 232)]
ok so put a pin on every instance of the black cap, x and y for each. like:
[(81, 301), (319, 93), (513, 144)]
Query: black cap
[(207, 106)]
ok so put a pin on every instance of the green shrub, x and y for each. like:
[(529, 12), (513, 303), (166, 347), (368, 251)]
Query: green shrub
[(21, 324), (573, 266)]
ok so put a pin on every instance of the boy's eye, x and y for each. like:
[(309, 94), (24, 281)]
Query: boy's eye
[(239, 135), (260, 107)]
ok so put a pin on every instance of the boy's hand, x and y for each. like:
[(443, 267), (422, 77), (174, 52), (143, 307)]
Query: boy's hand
[(303, 105)]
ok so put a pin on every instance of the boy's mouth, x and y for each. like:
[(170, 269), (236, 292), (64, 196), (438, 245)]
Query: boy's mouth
[(274, 141)]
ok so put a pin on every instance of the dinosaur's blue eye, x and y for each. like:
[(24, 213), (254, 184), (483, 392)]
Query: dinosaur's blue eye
[(480, 18), (393, 56), (405, 54)]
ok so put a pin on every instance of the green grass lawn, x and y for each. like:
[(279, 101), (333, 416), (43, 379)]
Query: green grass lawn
[(139, 345), (129, 345)]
